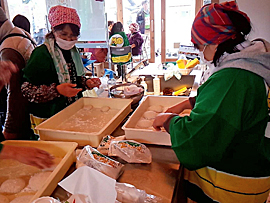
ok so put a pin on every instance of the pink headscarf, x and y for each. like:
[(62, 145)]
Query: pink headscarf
[(134, 27), (212, 25), (60, 15)]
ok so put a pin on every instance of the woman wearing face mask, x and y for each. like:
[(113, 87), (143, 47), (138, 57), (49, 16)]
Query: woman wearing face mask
[(222, 144), (54, 75)]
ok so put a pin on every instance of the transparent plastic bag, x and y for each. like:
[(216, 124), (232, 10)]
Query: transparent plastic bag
[(127, 193), (105, 143), (130, 151), (94, 159)]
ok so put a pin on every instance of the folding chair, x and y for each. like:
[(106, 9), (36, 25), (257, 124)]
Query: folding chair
[(121, 56)]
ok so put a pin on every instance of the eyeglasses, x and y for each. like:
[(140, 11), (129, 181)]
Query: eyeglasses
[(65, 35)]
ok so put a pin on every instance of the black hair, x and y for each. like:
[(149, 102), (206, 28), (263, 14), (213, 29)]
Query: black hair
[(21, 22), (110, 22), (117, 27), (242, 27), (74, 28)]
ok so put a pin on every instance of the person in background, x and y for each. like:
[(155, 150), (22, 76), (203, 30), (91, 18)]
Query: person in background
[(28, 155), (21, 22), (222, 143), (55, 76), (135, 39), (99, 54), (118, 38), (16, 49), (143, 17), (110, 25)]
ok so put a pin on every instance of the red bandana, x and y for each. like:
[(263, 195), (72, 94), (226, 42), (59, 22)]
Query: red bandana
[(212, 25), (60, 15)]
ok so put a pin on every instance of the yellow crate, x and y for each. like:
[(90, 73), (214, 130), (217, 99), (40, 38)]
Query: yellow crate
[(64, 150), (49, 129)]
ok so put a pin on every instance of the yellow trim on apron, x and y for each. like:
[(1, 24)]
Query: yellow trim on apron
[(227, 188), (121, 59), (35, 121)]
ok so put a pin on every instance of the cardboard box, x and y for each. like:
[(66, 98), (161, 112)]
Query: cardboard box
[(49, 129), (147, 135), (64, 150)]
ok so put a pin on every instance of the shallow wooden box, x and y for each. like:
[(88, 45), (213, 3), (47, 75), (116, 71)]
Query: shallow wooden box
[(48, 130), (147, 135), (64, 150)]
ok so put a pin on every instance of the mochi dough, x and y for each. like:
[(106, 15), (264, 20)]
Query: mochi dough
[(156, 108), (143, 123), (105, 108), (13, 185), (150, 115)]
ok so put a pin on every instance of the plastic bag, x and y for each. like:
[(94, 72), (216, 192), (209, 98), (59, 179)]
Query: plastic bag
[(105, 143), (130, 151), (127, 193), (94, 159)]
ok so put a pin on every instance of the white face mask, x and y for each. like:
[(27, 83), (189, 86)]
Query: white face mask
[(64, 44), (204, 60)]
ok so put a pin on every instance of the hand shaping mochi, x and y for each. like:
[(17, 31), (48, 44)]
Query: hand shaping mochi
[(143, 123), (149, 115), (156, 108), (13, 185), (105, 108)]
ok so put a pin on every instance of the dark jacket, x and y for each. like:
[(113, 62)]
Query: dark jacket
[(141, 20), (17, 50), (136, 39)]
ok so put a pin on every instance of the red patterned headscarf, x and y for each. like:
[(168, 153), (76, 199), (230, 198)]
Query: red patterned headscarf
[(134, 27), (60, 15), (212, 25)]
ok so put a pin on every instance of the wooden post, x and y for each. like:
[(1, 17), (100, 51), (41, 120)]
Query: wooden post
[(163, 33), (120, 11), (152, 32)]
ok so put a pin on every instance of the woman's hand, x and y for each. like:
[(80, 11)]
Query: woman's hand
[(160, 119), (27, 155), (93, 82), (178, 108), (68, 89), (133, 45), (6, 70)]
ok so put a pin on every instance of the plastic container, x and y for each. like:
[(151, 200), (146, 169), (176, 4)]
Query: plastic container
[(64, 150), (143, 83), (49, 129), (46, 200), (111, 82), (149, 136), (156, 85)]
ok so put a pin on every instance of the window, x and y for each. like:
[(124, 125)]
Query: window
[(35, 11)]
